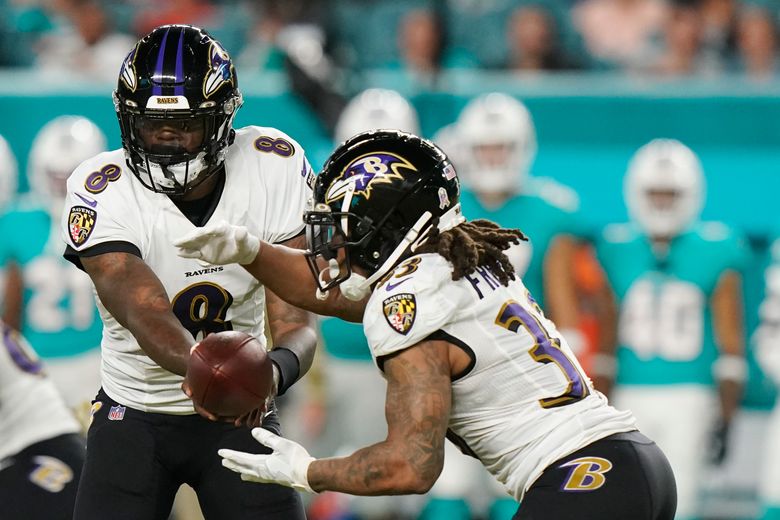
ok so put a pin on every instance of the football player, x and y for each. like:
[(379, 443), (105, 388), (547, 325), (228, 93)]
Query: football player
[(678, 329), (496, 143), (766, 341), (353, 419), (181, 166), (47, 298), (466, 351), (42, 450)]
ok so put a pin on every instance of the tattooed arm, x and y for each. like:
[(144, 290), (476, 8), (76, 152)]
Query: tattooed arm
[(136, 298), (285, 271), (292, 328), (417, 409)]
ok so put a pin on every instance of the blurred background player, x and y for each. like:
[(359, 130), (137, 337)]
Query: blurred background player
[(47, 298), (9, 180), (41, 451), (766, 341), (493, 143), (353, 418), (678, 329), (8, 174)]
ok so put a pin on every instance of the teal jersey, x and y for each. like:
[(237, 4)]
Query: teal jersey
[(544, 210), (344, 340), (665, 330), (60, 318), (762, 294)]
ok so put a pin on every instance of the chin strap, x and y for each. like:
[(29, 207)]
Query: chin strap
[(333, 271)]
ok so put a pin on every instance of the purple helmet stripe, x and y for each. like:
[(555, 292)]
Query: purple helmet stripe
[(179, 89), (158, 68)]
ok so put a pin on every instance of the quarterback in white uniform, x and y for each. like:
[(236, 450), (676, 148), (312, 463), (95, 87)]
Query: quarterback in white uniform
[(466, 351), (181, 166), (42, 449), (269, 202)]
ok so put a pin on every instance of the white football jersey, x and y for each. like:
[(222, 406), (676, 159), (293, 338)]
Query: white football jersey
[(31, 410), (266, 189), (525, 401)]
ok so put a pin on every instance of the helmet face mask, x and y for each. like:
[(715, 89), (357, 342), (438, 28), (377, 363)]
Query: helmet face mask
[(327, 239), (374, 202), (176, 99)]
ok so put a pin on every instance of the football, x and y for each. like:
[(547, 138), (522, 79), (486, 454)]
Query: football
[(229, 373)]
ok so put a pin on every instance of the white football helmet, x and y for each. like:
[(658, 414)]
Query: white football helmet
[(498, 143), (374, 109), (664, 187), (59, 147), (9, 173)]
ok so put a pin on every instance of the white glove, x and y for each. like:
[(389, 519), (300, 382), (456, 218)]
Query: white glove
[(219, 244), (287, 465)]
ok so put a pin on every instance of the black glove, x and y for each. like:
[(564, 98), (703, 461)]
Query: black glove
[(719, 441)]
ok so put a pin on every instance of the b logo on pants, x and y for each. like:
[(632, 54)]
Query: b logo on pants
[(586, 473)]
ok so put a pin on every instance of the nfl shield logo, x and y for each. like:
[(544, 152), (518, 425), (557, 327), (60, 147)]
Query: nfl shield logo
[(400, 311), (116, 413)]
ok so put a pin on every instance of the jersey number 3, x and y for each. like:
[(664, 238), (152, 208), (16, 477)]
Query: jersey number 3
[(546, 349)]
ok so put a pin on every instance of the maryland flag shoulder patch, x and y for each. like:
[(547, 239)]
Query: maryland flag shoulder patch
[(400, 311), (81, 222)]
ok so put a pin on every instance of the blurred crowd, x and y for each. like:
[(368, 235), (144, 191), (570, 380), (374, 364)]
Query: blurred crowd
[(419, 38)]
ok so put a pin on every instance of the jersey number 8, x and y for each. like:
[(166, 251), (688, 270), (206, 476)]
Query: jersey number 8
[(201, 309)]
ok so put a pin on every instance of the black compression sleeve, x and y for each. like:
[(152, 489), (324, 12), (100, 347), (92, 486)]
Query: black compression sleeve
[(289, 367)]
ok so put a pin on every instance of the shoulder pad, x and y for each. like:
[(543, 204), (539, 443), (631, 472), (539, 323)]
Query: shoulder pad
[(268, 140), (94, 175), (416, 283)]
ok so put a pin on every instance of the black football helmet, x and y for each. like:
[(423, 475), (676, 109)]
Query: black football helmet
[(376, 198), (178, 75)]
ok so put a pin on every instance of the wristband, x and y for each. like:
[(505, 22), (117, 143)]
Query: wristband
[(731, 367), (289, 367)]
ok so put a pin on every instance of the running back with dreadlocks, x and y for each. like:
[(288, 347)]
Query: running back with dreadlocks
[(477, 243)]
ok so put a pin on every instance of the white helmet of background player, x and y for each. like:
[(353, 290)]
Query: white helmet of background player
[(498, 142), (9, 173), (373, 109), (664, 187), (60, 146)]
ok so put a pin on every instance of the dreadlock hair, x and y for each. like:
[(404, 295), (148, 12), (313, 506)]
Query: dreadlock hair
[(473, 244)]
